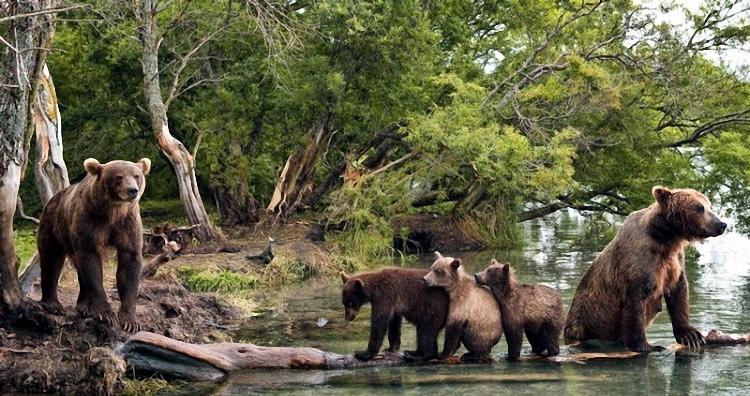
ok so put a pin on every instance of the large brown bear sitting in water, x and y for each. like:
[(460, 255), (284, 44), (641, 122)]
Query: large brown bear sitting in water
[(396, 294), (621, 293), (83, 222)]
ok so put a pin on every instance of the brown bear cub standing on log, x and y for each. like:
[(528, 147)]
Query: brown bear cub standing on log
[(536, 310), (473, 316), (621, 293), (83, 222), (396, 294)]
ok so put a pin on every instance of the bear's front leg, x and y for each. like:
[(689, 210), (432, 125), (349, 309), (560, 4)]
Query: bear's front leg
[(379, 322), (678, 307), (129, 263), (452, 341), (90, 280)]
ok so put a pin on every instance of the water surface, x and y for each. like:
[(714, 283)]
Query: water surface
[(557, 251)]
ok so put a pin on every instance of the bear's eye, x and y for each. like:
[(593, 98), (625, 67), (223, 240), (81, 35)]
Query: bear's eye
[(119, 178), (137, 177), (700, 208)]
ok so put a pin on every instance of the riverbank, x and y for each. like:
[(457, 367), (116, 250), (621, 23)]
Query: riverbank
[(196, 297)]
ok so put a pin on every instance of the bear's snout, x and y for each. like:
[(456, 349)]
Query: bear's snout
[(132, 192), (721, 227)]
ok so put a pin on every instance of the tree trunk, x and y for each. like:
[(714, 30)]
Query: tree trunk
[(21, 66), (474, 196), (381, 143), (173, 149), (236, 205), (50, 171), (296, 180)]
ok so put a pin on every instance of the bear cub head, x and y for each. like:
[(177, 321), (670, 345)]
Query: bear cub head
[(497, 277), (120, 181), (687, 213), (444, 272), (353, 295)]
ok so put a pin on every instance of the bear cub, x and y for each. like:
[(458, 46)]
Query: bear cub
[(83, 222), (396, 294), (536, 310), (473, 317)]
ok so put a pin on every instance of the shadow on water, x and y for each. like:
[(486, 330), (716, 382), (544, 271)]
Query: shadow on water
[(557, 252)]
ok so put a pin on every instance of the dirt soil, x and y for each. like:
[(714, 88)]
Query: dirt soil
[(41, 353)]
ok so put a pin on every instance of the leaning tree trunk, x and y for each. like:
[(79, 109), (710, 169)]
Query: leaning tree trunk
[(21, 66), (175, 151), (50, 171), (296, 179)]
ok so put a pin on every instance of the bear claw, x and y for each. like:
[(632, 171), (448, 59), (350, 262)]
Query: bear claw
[(129, 324), (53, 307)]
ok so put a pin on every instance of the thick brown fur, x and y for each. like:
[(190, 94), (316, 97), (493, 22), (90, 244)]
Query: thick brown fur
[(474, 317), (536, 310), (621, 293), (83, 222), (396, 294)]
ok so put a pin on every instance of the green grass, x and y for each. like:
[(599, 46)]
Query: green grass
[(25, 243), (216, 281)]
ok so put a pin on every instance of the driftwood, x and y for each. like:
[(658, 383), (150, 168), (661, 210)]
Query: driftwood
[(170, 249), (153, 354)]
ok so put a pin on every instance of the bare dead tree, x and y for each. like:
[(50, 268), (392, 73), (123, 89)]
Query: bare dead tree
[(29, 27)]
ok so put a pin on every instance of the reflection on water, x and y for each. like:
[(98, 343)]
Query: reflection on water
[(557, 251)]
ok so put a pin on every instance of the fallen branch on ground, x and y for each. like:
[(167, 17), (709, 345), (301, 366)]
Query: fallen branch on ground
[(151, 354), (170, 249)]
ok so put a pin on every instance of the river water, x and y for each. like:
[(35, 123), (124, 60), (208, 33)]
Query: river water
[(557, 251)]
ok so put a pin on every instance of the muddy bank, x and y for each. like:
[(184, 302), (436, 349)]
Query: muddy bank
[(41, 353), (73, 355)]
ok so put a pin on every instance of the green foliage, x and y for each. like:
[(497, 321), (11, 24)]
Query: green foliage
[(220, 281), (24, 240), (541, 104)]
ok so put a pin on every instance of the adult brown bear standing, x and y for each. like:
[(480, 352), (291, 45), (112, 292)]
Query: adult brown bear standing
[(83, 222), (620, 295)]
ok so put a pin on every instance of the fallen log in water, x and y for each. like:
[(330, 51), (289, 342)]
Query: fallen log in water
[(151, 354)]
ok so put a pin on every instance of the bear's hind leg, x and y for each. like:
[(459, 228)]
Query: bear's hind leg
[(52, 261)]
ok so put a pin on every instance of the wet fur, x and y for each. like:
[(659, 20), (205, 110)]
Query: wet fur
[(85, 222), (474, 317), (396, 294), (535, 310), (621, 293)]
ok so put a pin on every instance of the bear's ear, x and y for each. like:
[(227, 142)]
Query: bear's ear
[(438, 255), (661, 194), (494, 262), (145, 165), (92, 166), (359, 285), (455, 264), (506, 269), (344, 276)]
